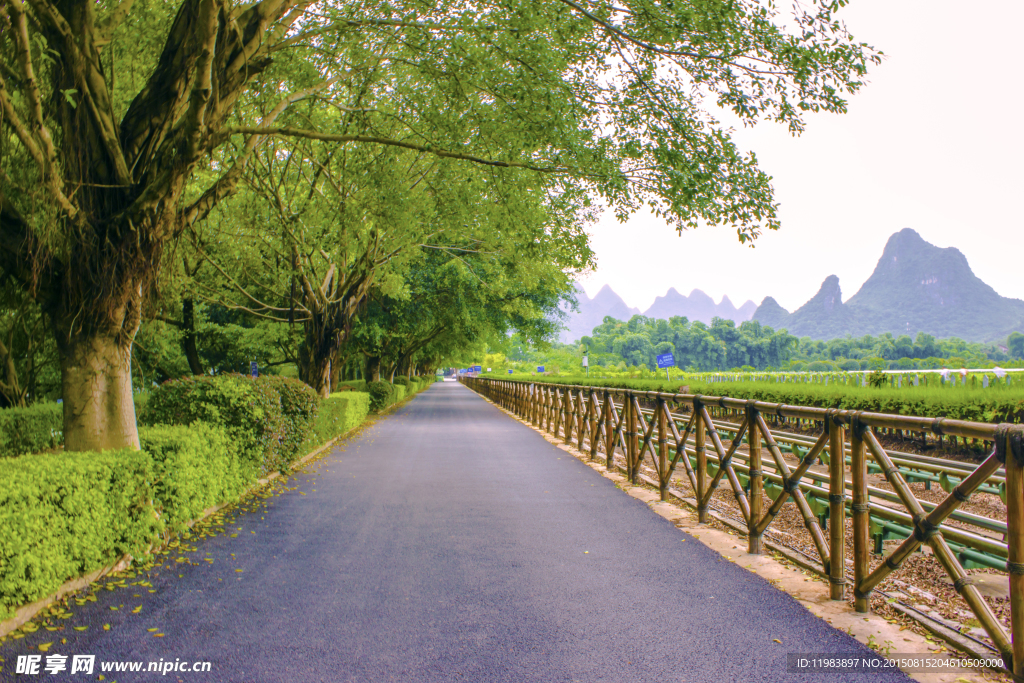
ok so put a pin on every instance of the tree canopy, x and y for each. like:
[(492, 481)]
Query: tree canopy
[(126, 124)]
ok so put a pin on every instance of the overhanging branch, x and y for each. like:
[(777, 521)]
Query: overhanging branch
[(287, 131)]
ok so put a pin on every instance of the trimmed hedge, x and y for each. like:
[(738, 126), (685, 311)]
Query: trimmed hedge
[(384, 394), (195, 467), (299, 408), (269, 417), (66, 514), (63, 515), (29, 430), (354, 384), (340, 413)]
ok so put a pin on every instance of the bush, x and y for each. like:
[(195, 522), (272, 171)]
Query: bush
[(299, 406), (339, 414), (195, 467), (850, 364), (29, 430), (401, 379), (250, 410), (66, 514), (820, 366), (381, 394)]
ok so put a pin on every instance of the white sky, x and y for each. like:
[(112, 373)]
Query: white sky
[(934, 142)]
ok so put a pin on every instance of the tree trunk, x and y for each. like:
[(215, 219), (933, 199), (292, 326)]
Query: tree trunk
[(11, 393), (372, 368), (188, 337), (320, 375), (337, 367), (96, 381)]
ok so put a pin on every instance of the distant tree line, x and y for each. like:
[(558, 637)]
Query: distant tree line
[(635, 344)]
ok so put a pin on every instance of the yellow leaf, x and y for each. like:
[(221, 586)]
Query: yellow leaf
[(44, 646), (158, 635), (137, 609), (81, 628), (152, 630), (106, 627), (776, 640)]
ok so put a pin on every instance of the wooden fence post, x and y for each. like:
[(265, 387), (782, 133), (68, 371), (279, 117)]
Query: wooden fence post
[(609, 430), (756, 480), (581, 418), (630, 430), (861, 515), (568, 420), (1015, 541), (699, 437), (837, 510), (595, 426), (662, 449)]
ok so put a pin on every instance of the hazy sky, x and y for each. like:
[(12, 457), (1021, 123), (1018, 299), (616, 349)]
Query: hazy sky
[(934, 142)]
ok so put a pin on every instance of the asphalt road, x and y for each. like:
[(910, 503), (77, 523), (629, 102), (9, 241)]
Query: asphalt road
[(447, 542)]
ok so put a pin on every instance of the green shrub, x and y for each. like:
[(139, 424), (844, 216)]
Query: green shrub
[(299, 406), (398, 393), (340, 413), (402, 380), (353, 384), (195, 467), (820, 366), (66, 514), (29, 430), (380, 395), (250, 410)]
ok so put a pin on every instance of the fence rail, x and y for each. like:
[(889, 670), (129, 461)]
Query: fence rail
[(678, 429)]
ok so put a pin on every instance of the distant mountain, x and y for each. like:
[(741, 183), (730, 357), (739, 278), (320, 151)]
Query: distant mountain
[(592, 312), (697, 306), (916, 287)]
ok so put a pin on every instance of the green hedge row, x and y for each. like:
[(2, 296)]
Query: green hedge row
[(66, 514), (340, 413), (269, 417), (63, 515), (29, 430), (975, 405)]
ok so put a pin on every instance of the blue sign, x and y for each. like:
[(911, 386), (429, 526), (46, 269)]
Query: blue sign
[(540, 368), (510, 372), (254, 369), (666, 360), (477, 368)]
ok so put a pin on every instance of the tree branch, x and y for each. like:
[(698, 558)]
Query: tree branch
[(287, 131)]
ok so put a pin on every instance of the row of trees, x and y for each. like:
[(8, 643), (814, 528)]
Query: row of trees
[(290, 168), (723, 345)]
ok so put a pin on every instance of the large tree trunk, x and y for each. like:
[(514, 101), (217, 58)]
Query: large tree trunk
[(188, 337), (372, 369), (321, 347), (11, 393), (96, 380)]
